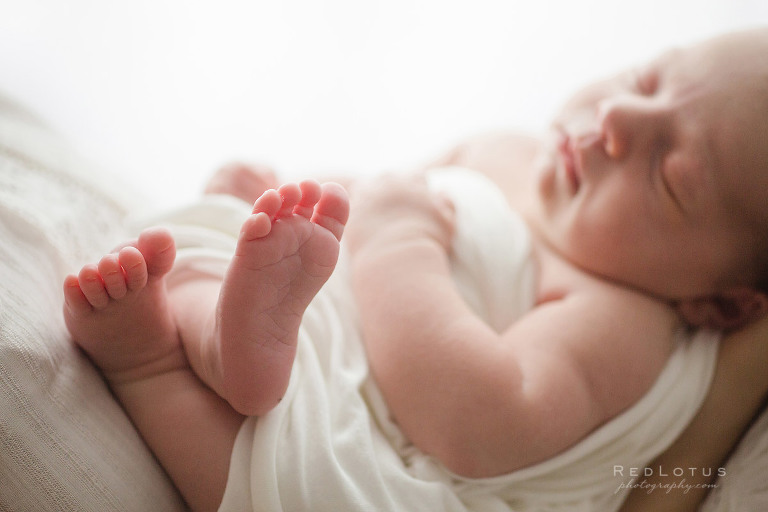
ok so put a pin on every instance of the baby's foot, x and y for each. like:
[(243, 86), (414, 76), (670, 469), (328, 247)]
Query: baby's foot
[(244, 181), (287, 250), (117, 311)]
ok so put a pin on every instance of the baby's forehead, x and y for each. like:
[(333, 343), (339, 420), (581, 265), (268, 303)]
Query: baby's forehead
[(734, 54)]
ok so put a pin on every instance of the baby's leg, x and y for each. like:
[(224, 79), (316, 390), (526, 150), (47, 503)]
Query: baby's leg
[(287, 250), (119, 313), (154, 345)]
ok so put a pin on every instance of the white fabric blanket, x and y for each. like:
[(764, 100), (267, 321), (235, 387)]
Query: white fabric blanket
[(65, 444), (330, 444)]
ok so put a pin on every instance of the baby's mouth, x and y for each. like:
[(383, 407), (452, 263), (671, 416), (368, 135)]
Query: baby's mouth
[(566, 152)]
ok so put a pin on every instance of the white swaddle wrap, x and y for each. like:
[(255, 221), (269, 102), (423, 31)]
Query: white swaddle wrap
[(330, 444)]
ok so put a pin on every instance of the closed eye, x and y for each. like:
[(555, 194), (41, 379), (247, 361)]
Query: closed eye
[(663, 177), (659, 176), (670, 190)]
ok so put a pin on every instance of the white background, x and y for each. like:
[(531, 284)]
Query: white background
[(166, 90)]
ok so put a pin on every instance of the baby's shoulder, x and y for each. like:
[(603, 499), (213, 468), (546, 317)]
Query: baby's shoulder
[(618, 337)]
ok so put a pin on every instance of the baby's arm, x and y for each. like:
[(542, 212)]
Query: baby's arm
[(486, 403)]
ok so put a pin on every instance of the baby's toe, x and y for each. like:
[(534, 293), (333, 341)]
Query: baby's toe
[(332, 210), (93, 287), (311, 191), (74, 298), (135, 267), (112, 274), (158, 250), (290, 193), (256, 226), (269, 203)]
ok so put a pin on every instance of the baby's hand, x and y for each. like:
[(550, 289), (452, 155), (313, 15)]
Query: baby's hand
[(396, 208)]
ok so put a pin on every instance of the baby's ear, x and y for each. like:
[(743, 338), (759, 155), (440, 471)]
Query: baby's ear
[(731, 309)]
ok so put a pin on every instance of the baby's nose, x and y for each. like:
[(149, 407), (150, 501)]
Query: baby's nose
[(628, 124)]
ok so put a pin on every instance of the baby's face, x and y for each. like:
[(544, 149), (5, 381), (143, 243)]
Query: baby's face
[(656, 177)]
